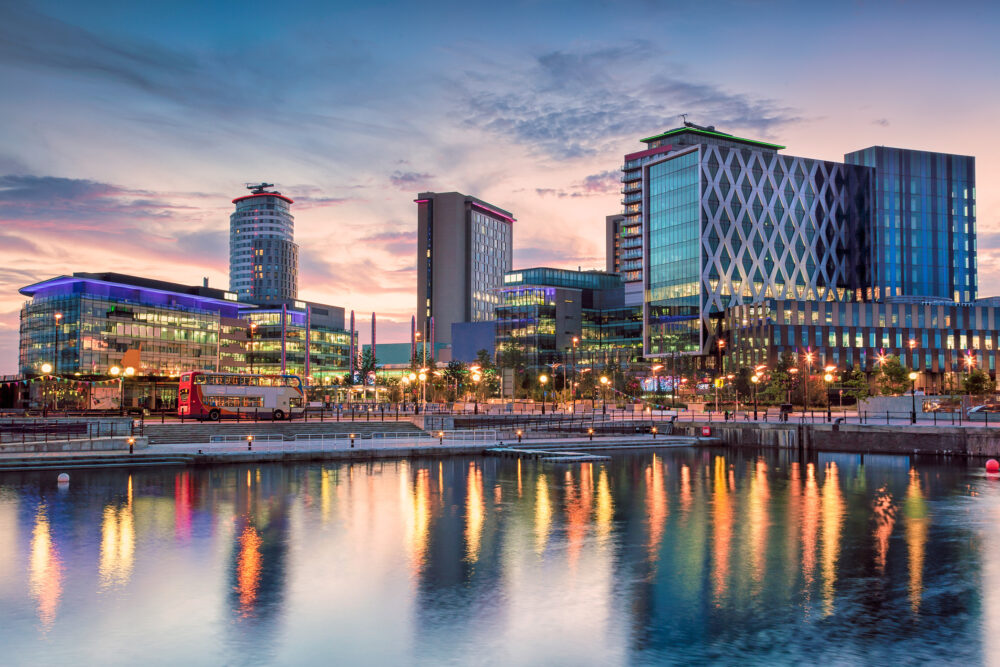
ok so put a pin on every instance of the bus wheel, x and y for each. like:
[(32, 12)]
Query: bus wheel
[(278, 415), (213, 415)]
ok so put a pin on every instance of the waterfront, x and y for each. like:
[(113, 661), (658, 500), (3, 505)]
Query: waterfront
[(683, 556)]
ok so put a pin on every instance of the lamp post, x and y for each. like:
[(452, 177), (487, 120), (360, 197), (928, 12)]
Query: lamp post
[(755, 379), (121, 375), (806, 372), (604, 394), (476, 377), (656, 379), (542, 379), (913, 397), (575, 341), (828, 378), (970, 363), (423, 388), (55, 362)]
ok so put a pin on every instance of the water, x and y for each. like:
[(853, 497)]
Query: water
[(686, 556)]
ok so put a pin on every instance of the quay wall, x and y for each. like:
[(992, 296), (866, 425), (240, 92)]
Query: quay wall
[(866, 438)]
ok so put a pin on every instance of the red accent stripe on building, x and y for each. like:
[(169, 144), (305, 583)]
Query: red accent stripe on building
[(648, 152)]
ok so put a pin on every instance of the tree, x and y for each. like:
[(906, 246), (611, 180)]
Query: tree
[(893, 377), (979, 383), (779, 381), (369, 364), (855, 385), (742, 382), (455, 373)]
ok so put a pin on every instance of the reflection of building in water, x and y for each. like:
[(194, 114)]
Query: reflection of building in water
[(833, 517), (46, 569), (117, 542), (917, 526), (259, 557), (454, 545)]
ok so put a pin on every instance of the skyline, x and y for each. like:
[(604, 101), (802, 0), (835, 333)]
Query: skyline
[(141, 122)]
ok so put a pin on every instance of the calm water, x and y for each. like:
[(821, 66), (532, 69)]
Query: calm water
[(681, 557)]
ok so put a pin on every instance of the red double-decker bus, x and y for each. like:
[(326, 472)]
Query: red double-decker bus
[(214, 396)]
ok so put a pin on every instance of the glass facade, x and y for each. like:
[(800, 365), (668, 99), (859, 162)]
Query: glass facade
[(923, 231), (490, 240), (944, 335), (673, 239), (102, 323), (274, 341)]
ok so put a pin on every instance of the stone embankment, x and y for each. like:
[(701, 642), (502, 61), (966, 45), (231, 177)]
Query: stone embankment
[(861, 438)]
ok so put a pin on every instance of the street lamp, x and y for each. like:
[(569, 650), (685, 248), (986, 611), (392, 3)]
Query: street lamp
[(121, 375), (575, 341), (604, 394), (55, 368), (542, 379), (423, 387), (476, 377), (828, 378), (793, 371), (755, 379), (913, 397)]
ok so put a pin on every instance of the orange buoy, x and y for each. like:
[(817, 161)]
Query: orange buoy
[(993, 466)]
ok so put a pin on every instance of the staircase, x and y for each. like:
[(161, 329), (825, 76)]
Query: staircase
[(194, 432), (95, 461)]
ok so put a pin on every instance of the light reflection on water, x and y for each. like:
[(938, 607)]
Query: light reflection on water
[(675, 557)]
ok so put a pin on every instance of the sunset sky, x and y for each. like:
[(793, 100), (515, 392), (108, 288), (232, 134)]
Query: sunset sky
[(126, 128)]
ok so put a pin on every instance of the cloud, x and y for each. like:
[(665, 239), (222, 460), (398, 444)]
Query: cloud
[(601, 184), (884, 122), (571, 104), (410, 180)]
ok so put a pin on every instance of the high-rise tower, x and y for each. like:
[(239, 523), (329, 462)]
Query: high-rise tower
[(463, 249), (263, 257)]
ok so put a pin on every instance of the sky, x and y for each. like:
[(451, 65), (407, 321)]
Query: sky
[(127, 128)]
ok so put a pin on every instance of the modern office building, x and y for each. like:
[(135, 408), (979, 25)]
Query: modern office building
[(922, 237), (542, 310), (464, 247), (730, 222), (282, 334), (263, 256), (167, 327), (937, 338)]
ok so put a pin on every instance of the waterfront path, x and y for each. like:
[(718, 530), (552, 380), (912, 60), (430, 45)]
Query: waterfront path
[(333, 449)]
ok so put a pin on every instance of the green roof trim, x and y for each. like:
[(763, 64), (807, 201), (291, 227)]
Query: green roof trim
[(721, 135)]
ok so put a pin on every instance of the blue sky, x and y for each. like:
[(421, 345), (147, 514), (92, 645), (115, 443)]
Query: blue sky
[(127, 128)]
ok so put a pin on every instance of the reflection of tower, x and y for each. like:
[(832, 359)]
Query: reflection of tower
[(260, 551), (462, 549)]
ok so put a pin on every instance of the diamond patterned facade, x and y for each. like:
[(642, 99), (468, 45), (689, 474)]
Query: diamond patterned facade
[(728, 223)]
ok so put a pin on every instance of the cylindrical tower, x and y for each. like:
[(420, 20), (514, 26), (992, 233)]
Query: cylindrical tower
[(263, 257)]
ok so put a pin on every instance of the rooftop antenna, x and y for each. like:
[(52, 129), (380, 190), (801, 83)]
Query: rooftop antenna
[(259, 188), (684, 116)]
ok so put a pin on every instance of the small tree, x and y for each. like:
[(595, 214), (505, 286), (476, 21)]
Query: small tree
[(369, 364), (856, 385), (979, 383), (893, 377)]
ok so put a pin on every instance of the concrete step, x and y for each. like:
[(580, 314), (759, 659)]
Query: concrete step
[(203, 432)]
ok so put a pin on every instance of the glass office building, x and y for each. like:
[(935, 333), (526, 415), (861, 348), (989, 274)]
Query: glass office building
[(109, 319), (542, 310), (282, 335), (730, 221), (923, 226), (936, 338)]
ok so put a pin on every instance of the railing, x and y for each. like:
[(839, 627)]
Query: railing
[(45, 430)]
